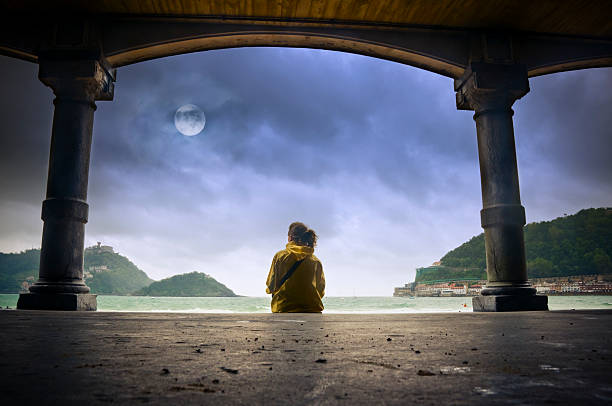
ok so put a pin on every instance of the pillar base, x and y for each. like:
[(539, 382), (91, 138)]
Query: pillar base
[(509, 303), (57, 301)]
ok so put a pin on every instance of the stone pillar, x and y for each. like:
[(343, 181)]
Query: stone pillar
[(490, 90), (77, 84)]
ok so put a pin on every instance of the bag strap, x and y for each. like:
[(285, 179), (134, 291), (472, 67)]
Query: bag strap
[(289, 273)]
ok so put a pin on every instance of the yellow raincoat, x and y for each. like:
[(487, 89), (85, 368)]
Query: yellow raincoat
[(302, 292)]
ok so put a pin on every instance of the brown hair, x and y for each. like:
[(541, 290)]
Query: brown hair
[(302, 235)]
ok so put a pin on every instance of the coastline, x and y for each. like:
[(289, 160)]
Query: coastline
[(333, 305)]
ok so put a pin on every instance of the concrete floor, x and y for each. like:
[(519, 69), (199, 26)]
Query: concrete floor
[(459, 358)]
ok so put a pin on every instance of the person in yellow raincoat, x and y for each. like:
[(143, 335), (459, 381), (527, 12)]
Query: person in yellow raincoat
[(301, 292)]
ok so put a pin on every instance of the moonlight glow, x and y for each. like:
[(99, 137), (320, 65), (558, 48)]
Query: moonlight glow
[(189, 119)]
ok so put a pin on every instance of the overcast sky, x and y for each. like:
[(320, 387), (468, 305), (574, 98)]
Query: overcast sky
[(371, 154)]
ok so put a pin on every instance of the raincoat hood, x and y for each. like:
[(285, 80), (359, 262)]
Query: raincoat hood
[(300, 251)]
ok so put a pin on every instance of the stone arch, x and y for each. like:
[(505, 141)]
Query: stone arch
[(404, 55)]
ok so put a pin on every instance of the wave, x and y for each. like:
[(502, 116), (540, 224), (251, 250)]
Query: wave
[(333, 305), (195, 310), (326, 311)]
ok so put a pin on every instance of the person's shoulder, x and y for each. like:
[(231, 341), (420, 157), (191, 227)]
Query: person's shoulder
[(315, 259), (281, 254)]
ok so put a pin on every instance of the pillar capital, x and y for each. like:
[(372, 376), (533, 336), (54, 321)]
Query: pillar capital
[(488, 86), (79, 79)]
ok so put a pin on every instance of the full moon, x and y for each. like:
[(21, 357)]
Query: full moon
[(189, 120)]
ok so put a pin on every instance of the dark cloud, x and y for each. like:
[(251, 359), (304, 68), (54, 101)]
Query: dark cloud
[(26, 113), (270, 112), (371, 153), (564, 138), (567, 119)]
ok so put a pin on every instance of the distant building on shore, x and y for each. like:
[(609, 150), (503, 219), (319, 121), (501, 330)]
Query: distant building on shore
[(101, 248), (469, 286), (574, 285), (406, 290), (90, 271)]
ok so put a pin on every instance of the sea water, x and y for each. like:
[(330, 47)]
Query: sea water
[(359, 304)]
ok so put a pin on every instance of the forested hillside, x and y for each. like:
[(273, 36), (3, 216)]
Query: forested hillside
[(17, 268), (580, 244), (120, 277), (188, 284)]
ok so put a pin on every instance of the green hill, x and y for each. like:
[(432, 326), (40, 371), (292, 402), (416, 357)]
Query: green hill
[(18, 269), (580, 244), (440, 272), (188, 284), (106, 272)]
